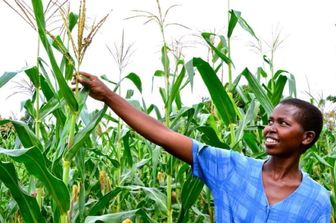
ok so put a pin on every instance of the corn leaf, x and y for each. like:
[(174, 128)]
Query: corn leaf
[(84, 134), (28, 105), (7, 76), (165, 59), (206, 37), (279, 88), (29, 208), (34, 76), (127, 150), (136, 80), (333, 172), (252, 143), (112, 218), (176, 86), (35, 164), (73, 18), (191, 72), (258, 91), (64, 88), (27, 137), (49, 93), (249, 116), (104, 201), (292, 86), (51, 106), (232, 22), (322, 160), (190, 192), (157, 196), (210, 137), (243, 23), (219, 96), (67, 61)]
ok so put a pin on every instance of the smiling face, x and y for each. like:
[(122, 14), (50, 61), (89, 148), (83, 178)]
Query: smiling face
[(284, 135)]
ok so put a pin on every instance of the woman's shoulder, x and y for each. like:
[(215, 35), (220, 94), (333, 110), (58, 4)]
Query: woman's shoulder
[(237, 158), (316, 191)]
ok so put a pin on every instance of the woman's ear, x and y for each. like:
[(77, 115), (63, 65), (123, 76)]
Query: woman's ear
[(308, 137)]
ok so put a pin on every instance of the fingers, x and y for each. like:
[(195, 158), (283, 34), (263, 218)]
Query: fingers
[(78, 76), (87, 75)]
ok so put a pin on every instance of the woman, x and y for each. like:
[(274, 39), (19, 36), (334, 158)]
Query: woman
[(244, 189)]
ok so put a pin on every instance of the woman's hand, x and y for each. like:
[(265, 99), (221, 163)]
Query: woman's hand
[(98, 90)]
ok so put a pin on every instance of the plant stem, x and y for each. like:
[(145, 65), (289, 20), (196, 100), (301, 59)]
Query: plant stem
[(66, 171), (229, 49), (39, 199), (167, 106), (119, 145), (38, 122), (64, 218), (232, 134)]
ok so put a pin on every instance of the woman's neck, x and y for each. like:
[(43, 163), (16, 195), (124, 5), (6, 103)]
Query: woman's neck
[(280, 168)]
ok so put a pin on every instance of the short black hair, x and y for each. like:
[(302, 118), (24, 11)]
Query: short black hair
[(310, 117)]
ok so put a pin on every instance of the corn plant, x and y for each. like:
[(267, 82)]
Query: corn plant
[(64, 164)]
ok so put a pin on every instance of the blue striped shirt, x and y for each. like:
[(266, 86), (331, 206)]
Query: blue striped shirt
[(237, 189)]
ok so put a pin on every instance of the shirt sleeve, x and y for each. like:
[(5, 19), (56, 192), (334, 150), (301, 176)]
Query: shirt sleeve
[(212, 165), (326, 215), (325, 218)]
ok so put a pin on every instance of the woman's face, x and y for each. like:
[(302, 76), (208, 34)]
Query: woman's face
[(284, 135)]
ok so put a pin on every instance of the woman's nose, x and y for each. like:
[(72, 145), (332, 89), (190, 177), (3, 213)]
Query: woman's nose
[(270, 128)]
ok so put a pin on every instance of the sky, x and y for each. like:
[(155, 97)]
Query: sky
[(307, 30)]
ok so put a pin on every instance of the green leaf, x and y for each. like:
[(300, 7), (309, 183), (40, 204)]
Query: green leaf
[(64, 88), (278, 73), (73, 18), (159, 73), (219, 96), (34, 75), (157, 196), (84, 134), (244, 24), (207, 36), (189, 66), (232, 22), (153, 193), (52, 105), (67, 60), (322, 160), (262, 72), (28, 105), (333, 172), (190, 192), (112, 218), (104, 201), (26, 136), (165, 59), (127, 150), (35, 164), (249, 116), (50, 94), (292, 86), (252, 143), (7, 76), (29, 208), (176, 86), (105, 78), (210, 137), (258, 91), (136, 80), (278, 91)]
